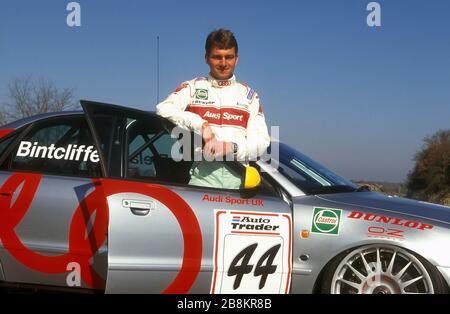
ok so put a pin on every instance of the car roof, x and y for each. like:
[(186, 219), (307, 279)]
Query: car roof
[(24, 121)]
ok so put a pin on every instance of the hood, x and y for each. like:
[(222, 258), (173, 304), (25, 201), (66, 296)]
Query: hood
[(391, 204)]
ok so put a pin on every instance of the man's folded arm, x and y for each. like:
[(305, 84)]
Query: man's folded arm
[(174, 109)]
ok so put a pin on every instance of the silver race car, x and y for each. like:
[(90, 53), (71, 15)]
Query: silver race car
[(99, 201)]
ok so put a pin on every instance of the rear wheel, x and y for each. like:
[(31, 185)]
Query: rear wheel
[(381, 269)]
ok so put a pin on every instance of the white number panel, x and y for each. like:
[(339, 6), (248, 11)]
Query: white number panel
[(252, 252)]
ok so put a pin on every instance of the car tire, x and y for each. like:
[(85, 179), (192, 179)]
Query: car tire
[(381, 269)]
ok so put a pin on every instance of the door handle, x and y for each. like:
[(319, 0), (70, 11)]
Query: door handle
[(139, 208), (6, 193), (140, 212)]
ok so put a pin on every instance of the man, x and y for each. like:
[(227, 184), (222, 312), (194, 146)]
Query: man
[(226, 113)]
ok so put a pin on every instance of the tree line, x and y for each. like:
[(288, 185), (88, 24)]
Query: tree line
[(430, 178), (27, 97)]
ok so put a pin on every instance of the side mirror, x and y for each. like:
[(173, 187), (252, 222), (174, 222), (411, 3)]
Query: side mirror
[(252, 178)]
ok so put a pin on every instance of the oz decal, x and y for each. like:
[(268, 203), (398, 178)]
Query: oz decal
[(252, 252), (326, 220)]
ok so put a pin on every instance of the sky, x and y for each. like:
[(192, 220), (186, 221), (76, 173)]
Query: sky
[(358, 99)]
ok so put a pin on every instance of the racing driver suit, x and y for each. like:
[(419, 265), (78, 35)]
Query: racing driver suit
[(234, 113)]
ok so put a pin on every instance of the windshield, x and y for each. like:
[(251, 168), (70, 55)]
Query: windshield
[(308, 175)]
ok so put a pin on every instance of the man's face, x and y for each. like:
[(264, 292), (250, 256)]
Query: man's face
[(222, 62)]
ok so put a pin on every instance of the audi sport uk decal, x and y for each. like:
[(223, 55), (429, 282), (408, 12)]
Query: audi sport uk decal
[(252, 252), (229, 200)]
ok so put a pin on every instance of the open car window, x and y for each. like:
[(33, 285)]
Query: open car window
[(150, 153)]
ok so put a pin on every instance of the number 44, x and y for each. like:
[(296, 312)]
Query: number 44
[(260, 270)]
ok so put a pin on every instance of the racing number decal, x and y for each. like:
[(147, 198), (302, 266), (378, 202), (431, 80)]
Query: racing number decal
[(244, 268), (269, 268), (252, 252)]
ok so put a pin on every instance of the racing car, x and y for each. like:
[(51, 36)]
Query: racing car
[(96, 201)]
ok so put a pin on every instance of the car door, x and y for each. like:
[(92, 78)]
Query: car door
[(166, 236), (45, 182)]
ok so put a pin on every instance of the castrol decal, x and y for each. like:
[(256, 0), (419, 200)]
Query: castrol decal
[(326, 221)]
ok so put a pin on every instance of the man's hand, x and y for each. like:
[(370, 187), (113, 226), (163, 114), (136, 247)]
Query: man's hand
[(215, 149), (207, 133)]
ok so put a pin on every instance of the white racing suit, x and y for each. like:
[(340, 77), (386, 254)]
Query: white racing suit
[(234, 113)]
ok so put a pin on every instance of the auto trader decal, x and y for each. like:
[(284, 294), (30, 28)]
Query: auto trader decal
[(326, 220), (83, 247), (252, 252)]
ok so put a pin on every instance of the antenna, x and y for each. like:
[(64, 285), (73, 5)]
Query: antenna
[(157, 69)]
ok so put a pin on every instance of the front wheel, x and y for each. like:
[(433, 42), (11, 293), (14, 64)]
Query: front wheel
[(381, 269)]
